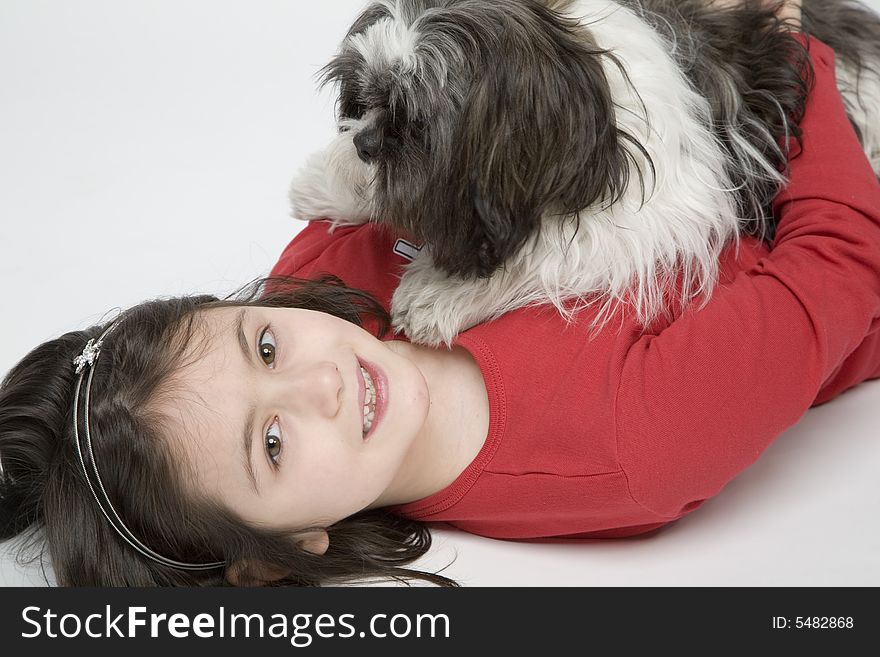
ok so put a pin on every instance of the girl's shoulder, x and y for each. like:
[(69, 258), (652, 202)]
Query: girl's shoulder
[(368, 256)]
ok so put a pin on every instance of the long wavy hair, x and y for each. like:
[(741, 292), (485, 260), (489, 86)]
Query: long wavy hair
[(45, 501)]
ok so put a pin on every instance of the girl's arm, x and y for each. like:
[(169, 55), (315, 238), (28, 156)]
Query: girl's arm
[(700, 401)]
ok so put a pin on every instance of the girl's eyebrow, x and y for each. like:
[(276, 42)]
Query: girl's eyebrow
[(248, 434)]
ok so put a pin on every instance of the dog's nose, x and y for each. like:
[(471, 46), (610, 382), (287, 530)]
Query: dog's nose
[(368, 144)]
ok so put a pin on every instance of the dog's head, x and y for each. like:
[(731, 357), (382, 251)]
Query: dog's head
[(476, 118)]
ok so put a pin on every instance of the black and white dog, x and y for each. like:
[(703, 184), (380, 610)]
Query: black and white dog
[(575, 152)]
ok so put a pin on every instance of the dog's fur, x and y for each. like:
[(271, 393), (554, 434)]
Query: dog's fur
[(575, 152)]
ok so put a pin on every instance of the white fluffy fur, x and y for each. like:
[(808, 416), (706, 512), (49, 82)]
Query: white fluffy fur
[(861, 93), (630, 253), (334, 183), (388, 41)]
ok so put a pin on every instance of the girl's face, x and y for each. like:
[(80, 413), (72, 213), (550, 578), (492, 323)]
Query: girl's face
[(270, 416)]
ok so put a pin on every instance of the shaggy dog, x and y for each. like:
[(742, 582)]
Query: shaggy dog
[(576, 152)]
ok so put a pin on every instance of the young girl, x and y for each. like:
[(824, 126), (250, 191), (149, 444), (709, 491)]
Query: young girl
[(270, 439)]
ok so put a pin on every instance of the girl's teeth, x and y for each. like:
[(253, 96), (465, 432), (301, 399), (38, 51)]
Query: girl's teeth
[(369, 400)]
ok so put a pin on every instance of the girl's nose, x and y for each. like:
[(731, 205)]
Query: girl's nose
[(316, 388)]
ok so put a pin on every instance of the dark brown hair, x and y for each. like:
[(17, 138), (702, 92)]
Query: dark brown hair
[(43, 492)]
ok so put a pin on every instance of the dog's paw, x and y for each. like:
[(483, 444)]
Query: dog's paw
[(424, 314), (420, 323), (432, 308)]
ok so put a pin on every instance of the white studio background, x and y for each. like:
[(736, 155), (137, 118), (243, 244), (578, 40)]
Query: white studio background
[(146, 149)]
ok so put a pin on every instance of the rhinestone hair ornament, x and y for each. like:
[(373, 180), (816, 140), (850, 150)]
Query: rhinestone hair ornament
[(86, 361)]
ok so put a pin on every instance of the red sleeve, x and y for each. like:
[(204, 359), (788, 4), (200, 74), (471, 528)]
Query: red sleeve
[(699, 402)]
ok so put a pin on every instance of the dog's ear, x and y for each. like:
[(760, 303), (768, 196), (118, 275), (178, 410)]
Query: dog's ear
[(537, 135)]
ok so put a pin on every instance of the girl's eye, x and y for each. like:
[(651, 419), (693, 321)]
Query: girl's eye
[(274, 443), (267, 348)]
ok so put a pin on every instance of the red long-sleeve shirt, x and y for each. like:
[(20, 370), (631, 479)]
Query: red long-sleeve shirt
[(626, 432)]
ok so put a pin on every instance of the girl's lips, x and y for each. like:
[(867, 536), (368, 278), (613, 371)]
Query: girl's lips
[(380, 384), (362, 392)]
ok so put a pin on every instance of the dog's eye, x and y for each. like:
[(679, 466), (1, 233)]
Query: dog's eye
[(350, 106), (401, 125), (351, 110)]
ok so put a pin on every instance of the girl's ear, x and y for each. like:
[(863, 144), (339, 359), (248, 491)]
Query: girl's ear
[(252, 572), (316, 541)]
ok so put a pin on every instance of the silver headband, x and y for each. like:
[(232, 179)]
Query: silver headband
[(87, 359)]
